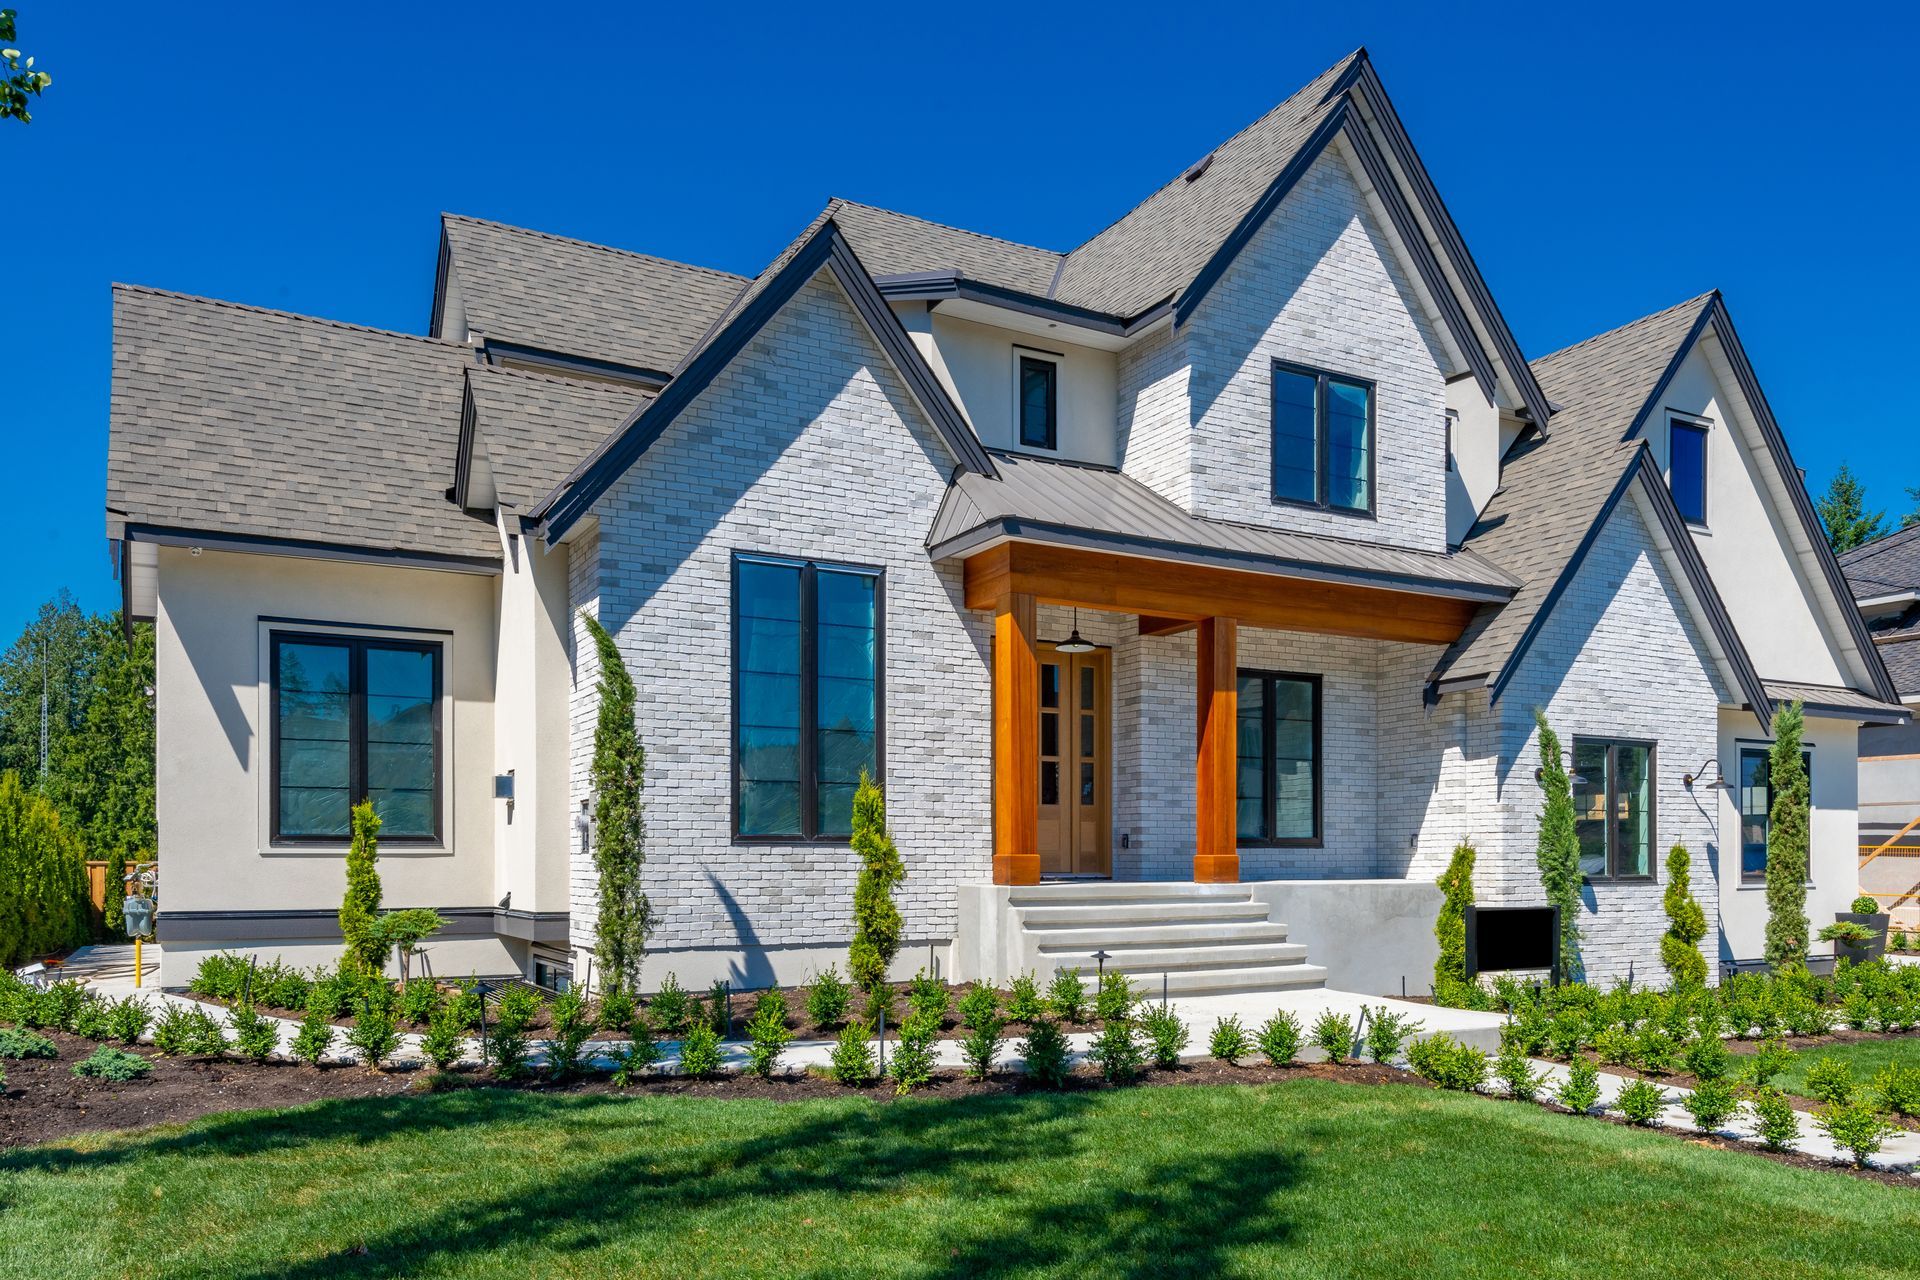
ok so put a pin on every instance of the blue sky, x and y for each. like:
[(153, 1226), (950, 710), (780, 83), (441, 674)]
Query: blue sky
[(296, 157)]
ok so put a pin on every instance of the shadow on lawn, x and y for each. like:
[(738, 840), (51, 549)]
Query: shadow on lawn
[(1005, 1167)]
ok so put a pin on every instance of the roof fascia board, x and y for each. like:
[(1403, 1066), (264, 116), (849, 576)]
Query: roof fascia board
[(1885, 601), (1700, 322), (937, 286), (826, 248), (440, 269), (1865, 715), (255, 544), (1427, 197)]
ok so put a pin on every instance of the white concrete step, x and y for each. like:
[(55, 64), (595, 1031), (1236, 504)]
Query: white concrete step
[(1205, 933), (1065, 892), (1192, 982), (1138, 913), (1268, 955)]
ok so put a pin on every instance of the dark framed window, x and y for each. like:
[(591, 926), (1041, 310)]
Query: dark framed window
[(1322, 439), (1039, 403), (807, 668), (1613, 802), (1277, 797), (1687, 467), (1756, 807), (355, 718)]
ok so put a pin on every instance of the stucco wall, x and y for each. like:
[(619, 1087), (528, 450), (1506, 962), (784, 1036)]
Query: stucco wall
[(980, 362)]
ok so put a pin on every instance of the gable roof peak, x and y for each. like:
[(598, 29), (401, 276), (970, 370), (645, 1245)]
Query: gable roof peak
[(489, 224), (841, 202), (1691, 306)]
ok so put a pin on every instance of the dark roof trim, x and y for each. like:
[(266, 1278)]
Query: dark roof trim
[(1283, 182), (1367, 82), (469, 431), (1060, 535), (301, 550), (1865, 715), (441, 267), (1667, 375), (560, 362), (827, 247), (935, 286)]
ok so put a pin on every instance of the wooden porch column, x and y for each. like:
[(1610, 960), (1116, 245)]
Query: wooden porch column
[(1016, 742), (1216, 853)]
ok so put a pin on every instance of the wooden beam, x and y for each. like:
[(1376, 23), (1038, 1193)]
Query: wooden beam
[(1163, 589), (1016, 742), (1154, 626), (1216, 850)]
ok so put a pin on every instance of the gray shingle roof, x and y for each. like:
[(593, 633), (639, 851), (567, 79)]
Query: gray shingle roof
[(237, 420), (890, 243), (1884, 567), (1832, 697), (1043, 500), (535, 427), (581, 299)]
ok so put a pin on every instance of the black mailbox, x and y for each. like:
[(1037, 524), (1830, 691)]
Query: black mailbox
[(1504, 938)]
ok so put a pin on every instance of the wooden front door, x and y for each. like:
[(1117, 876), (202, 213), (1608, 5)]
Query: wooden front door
[(1076, 809)]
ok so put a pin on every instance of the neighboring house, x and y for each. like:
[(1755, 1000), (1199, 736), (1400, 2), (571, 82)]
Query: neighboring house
[(1885, 576), (1264, 451)]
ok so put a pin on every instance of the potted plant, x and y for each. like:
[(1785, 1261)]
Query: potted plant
[(1872, 921)]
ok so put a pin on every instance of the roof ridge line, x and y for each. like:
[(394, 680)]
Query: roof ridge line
[(121, 286), (1885, 542), (587, 244), (1699, 299), (947, 226), (502, 371)]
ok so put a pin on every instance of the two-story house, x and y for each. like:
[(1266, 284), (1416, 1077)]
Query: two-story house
[(1191, 592)]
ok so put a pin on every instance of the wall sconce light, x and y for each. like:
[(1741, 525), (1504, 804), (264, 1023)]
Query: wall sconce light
[(1718, 784)]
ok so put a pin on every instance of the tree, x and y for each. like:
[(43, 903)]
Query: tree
[(365, 950), (22, 80), (1686, 924), (1559, 850), (876, 921), (1843, 510), (1912, 517), (1787, 841), (619, 831), (43, 877), (1456, 882)]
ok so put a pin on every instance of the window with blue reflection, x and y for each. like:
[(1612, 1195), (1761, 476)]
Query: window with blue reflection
[(1687, 469), (1322, 439)]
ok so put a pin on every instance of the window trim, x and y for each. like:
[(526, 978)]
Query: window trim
[(809, 691), (1704, 426), (1270, 765), (1741, 746), (1610, 876), (1323, 441), (356, 643), (1022, 357)]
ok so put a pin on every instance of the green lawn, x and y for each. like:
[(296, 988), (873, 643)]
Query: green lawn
[(1866, 1057), (1309, 1179)]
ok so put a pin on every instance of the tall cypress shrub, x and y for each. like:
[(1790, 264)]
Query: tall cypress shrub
[(43, 877), (619, 772), (1559, 849), (876, 921), (361, 904), (113, 916), (1787, 842), (1686, 924), (1456, 882)]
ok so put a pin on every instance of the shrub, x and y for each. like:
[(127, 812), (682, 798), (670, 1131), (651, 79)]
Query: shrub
[(464, 1007), (1775, 1120), (876, 920), (205, 1037), (572, 1024), (1860, 1010), (1116, 1050), (516, 1006), (1529, 1029), (1865, 905), (827, 998), (282, 987), (1167, 1036), (365, 952), (1686, 925), (172, 1031), (1897, 1089), (60, 1005), (1708, 1059), (1804, 1016), (1615, 1046), (1830, 1080), (911, 1064), (506, 1049), (640, 1055), (1448, 1063), (1854, 1127), (128, 1019), (255, 1035), (1279, 1038), (700, 1055), (720, 1008), (1656, 1051), (118, 1066), (332, 994), (373, 1034), (1558, 853), (1456, 882), (928, 995), (1516, 1071), (20, 1042), (43, 877), (1566, 1035), (1787, 842), (879, 1003), (767, 1034), (1333, 1033), (1580, 1091), (1114, 998), (219, 976), (1899, 941), (1711, 1103), (312, 1040), (619, 775), (1067, 996), (1641, 1101), (1045, 1053), (670, 1007), (1023, 1000), (1229, 1042), (616, 1008), (1767, 1063), (980, 1006), (851, 1062), (90, 1019), (981, 1045), (419, 1001), (445, 1039)]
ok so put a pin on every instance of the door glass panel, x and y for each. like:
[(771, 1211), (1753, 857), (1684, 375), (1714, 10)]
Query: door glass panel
[(1086, 783), (1049, 733), (1086, 736), (1049, 684), (1049, 782), (1086, 688)]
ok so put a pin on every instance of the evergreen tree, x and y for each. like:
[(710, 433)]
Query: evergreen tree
[(1451, 928), (364, 950), (1843, 510), (619, 832), (876, 921), (43, 878), (1559, 850), (1686, 924), (1787, 842)]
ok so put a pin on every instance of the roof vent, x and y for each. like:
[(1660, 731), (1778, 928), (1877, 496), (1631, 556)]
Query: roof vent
[(1199, 167)]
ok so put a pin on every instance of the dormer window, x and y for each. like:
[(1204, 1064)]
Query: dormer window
[(1322, 439), (1687, 466), (1039, 406)]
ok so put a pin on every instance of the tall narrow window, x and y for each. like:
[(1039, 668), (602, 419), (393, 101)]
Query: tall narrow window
[(1039, 403), (1278, 794), (1613, 808), (1756, 807), (1322, 439), (1687, 468), (807, 665), (355, 719)]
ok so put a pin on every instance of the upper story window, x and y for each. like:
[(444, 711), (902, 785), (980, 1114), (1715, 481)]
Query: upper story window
[(1756, 807), (1039, 392), (355, 718), (1322, 439), (806, 695), (1687, 467), (1613, 808), (1278, 793)]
